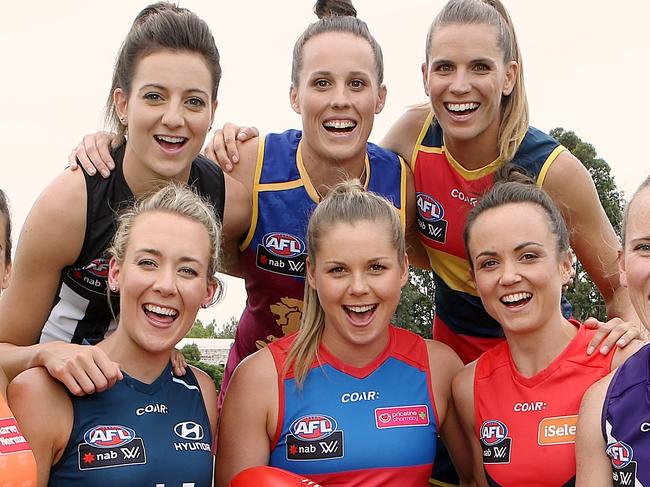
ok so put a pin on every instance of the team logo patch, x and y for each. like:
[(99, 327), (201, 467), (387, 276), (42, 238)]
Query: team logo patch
[(314, 437), (11, 439), (282, 253), (624, 467), (110, 446), (193, 433), (495, 442), (559, 430), (108, 436), (402, 416), (92, 276), (431, 220)]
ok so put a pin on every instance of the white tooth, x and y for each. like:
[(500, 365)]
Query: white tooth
[(170, 139), (340, 124), (360, 309)]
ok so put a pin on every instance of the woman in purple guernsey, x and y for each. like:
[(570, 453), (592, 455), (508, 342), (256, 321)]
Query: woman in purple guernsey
[(613, 443)]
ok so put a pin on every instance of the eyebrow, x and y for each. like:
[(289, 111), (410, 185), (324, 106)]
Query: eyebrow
[(329, 73), (164, 88), (158, 253), (517, 248)]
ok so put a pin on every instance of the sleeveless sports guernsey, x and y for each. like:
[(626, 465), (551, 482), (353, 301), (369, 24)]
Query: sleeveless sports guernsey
[(136, 434), (80, 311), (349, 426), (527, 425), (626, 421), (273, 253), (17, 464), (446, 192)]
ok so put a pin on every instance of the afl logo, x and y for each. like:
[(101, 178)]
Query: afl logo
[(620, 453), (428, 208), (98, 268), (313, 427), (493, 432), (109, 436), (283, 244)]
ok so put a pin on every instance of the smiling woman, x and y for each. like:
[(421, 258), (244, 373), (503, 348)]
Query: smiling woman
[(163, 260), (163, 97)]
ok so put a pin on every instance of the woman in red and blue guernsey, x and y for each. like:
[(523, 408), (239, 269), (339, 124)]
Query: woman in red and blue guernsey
[(356, 401)]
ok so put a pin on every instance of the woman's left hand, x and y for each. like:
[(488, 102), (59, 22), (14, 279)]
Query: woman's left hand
[(613, 332), (179, 364)]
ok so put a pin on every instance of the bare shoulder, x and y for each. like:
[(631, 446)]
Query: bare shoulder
[(403, 134), (598, 390), (622, 354), (36, 394), (256, 369), (206, 383), (443, 356), (36, 381)]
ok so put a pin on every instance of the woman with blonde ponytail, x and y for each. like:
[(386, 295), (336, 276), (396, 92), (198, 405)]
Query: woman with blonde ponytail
[(348, 382)]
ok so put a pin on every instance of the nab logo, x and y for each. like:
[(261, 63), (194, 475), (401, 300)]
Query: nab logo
[(283, 244), (98, 267), (493, 432), (313, 427), (109, 436), (620, 453), (429, 209), (189, 430)]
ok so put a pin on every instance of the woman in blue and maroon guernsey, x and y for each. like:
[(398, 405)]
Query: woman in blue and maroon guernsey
[(519, 401), (349, 400), (613, 446)]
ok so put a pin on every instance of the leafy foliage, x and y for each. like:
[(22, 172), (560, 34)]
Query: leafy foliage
[(198, 330), (416, 307)]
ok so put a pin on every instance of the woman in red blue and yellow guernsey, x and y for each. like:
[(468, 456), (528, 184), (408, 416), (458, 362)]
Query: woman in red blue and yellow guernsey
[(519, 401), (349, 400), (477, 120)]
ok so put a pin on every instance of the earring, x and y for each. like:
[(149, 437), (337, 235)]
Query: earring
[(123, 120), (114, 287)]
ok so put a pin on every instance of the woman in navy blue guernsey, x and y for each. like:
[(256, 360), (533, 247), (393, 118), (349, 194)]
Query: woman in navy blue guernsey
[(152, 427), (349, 400), (613, 444)]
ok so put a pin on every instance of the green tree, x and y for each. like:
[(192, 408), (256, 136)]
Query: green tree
[(584, 295), (191, 352), (228, 329), (416, 307)]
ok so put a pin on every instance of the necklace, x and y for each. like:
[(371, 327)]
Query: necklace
[(361, 178)]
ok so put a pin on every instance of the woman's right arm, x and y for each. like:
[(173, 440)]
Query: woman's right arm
[(51, 239), (44, 413), (593, 467), (253, 395), (463, 396)]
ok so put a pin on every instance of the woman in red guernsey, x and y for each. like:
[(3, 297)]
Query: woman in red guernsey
[(519, 401)]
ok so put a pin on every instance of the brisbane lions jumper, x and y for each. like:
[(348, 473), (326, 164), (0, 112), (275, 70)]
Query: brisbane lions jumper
[(446, 192), (137, 434), (527, 425), (626, 421), (80, 311), (274, 251), (349, 426), (17, 464)]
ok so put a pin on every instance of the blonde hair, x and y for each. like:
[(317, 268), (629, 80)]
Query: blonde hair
[(347, 202), (514, 107), (626, 213), (177, 199)]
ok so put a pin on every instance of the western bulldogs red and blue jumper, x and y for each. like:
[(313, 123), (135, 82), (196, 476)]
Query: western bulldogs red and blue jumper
[(446, 192), (527, 425), (626, 421), (349, 426), (137, 434), (274, 251), (80, 311)]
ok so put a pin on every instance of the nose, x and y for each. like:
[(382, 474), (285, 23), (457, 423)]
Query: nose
[(359, 284), (340, 96), (173, 115), (460, 83), (510, 274), (165, 281)]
